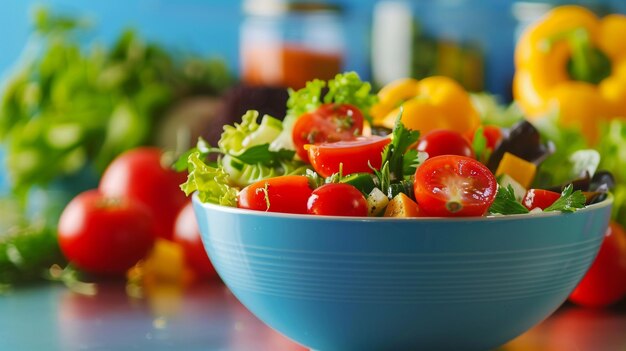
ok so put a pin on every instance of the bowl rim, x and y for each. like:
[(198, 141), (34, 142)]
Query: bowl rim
[(235, 210)]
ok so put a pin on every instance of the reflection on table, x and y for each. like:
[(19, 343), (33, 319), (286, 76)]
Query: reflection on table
[(208, 317)]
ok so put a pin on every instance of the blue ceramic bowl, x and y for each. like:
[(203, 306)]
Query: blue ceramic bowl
[(336, 283)]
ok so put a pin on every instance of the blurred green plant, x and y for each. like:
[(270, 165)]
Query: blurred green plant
[(66, 107)]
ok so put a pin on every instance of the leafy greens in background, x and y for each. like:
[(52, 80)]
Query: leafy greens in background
[(67, 108)]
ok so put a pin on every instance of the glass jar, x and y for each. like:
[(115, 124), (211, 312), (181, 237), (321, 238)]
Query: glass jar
[(286, 44)]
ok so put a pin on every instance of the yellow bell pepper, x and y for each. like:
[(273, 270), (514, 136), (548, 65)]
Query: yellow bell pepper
[(517, 168), (574, 64), (402, 206), (433, 103)]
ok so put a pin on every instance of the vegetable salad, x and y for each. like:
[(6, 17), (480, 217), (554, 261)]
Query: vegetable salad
[(334, 155)]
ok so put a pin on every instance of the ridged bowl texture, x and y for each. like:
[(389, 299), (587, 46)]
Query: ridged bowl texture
[(333, 283)]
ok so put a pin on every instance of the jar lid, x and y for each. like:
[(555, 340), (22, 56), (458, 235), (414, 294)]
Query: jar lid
[(283, 7)]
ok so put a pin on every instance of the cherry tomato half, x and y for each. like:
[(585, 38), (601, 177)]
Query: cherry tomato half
[(354, 155), (187, 234), (493, 134), (105, 235), (138, 174), (337, 199), (445, 142), (539, 198), (454, 186), (286, 194), (329, 123), (605, 282)]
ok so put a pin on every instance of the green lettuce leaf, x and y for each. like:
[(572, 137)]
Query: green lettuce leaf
[(232, 138), (211, 183), (348, 88), (306, 99)]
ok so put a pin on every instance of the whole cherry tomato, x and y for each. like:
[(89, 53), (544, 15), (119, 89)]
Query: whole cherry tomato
[(454, 186), (445, 142), (337, 199), (493, 134), (187, 234), (329, 123), (286, 194), (358, 155), (605, 282), (105, 235), (539, 198), (138, 174)]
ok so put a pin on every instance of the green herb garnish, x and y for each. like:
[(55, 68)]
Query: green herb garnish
[(570, 201), (505, 202), (394, 153)]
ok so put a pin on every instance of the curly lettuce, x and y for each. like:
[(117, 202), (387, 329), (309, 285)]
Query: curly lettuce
[(233, 136), (211, 183)]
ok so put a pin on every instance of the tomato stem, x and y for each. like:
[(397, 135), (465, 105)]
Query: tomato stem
[(454, 206)]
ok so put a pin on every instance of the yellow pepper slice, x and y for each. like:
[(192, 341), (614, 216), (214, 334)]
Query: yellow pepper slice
[(571, 63), (517, 168), (433, 103), (402, 206)]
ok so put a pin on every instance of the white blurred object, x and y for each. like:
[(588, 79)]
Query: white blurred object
[(392, 34)]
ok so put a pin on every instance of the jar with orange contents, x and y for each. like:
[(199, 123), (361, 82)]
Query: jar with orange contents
[(286, 44)]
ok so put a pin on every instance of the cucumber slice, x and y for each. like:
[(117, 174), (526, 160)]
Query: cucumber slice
[(505, 180), (377, 201), (365, 182)]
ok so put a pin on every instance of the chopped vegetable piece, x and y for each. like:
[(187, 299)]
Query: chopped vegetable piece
[(365, 182), (284, 194), (402, 206), (505, 180), (539, 198), (519, 169), (359, 155), (376, 202), (523, 141), (454, 186)]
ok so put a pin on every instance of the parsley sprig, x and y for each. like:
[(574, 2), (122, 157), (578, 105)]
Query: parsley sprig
[(506, 203), (395, 152), (570, 201)]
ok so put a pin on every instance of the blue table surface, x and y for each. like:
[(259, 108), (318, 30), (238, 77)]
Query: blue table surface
[(208, 317)]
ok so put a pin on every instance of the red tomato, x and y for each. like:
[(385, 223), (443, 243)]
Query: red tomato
[(138, 174), (329, 123), (454, 186), (337, 199), (187, 234), (105, 235), (355, 155), (605, 282), (539, 198), (286, 194), (493, 134), (445, 142)]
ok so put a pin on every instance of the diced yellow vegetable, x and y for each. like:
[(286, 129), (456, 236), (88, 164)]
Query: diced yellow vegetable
[(402, 206), (517, 168)]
